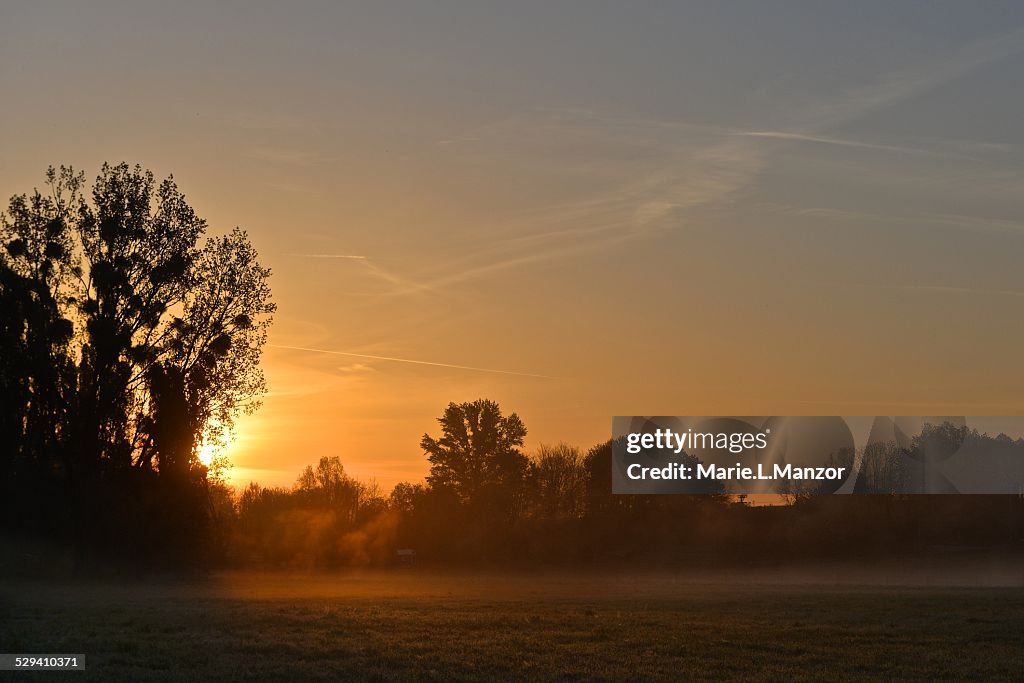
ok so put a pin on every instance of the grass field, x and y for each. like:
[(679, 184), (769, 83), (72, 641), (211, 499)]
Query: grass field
[(415, 625)]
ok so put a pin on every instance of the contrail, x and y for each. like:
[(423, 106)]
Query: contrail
[(404, 285), (826, 140), (348, 256), (409, 360), (961, 290)]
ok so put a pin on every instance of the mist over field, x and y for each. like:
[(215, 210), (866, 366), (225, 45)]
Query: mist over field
[(932, 619)]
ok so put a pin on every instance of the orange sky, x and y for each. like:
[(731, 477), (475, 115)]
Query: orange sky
[(639, 213)]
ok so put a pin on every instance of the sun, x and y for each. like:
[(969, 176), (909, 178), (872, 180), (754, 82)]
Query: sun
[(207, 452), (213, 446)]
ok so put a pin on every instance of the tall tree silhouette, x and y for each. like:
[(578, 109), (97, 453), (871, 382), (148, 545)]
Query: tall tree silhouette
[(125, 336), (478, 455), (35, 370)]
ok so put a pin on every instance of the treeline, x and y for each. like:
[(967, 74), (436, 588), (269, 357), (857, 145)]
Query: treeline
[(129, 339), (487, 502)]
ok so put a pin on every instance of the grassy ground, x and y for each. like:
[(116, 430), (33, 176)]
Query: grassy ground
[(412, 625)]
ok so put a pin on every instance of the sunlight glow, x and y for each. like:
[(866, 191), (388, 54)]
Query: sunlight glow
[(207, 452), (213, 447)]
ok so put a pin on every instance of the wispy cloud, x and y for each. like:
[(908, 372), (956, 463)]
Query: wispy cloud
[(354, 368), (410, 360), (812, 121), (288, 156), (399, 283), (693, 174), (687, 171), (840, 142), (903, 84), (945, 289), (686, 166), (815, 119), (329, 256), (979, 223)]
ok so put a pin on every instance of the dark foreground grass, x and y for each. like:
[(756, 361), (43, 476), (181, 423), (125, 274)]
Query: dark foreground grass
[(395, 626)]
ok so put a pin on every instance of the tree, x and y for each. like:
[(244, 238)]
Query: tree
[(477, 456), (126, 337), (405, 497), (559, 476), (36, 372), (329, 486), (213, 349), (882, 469)]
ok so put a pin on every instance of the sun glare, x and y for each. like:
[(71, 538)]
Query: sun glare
[(214, 443), (206, 453), (210, 449)]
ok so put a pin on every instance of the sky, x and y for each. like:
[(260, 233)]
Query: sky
[(576, 209)]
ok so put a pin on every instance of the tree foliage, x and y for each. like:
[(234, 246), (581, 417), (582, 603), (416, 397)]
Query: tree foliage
[(127, 336), (559, 477), (478, 452)]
